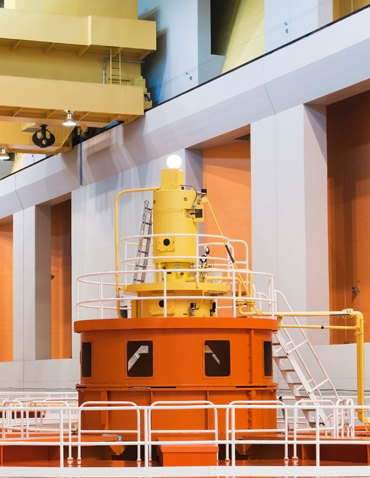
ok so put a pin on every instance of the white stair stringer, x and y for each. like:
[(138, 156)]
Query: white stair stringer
[(291, 352)]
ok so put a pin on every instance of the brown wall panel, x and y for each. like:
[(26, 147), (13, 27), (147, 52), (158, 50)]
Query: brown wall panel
[(61, 307), (349, 205), (341, 8), (227, 177), (6, 292)]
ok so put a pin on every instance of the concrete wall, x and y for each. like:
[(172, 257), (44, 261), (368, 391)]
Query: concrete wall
[(288, 20), (183, 57)]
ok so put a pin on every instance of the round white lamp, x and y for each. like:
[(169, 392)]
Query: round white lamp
[(174, 161)]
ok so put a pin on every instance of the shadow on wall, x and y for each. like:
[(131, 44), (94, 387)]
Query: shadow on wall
[(223, 15), (155, 66), (155, 63)]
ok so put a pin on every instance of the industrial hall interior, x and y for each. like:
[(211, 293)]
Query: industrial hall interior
[(242, 119)]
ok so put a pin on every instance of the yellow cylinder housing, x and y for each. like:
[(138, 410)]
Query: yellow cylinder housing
[(176, 214)]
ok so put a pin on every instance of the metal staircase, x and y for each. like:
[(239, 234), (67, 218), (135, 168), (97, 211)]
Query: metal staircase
[(143, 249), (291, 352)]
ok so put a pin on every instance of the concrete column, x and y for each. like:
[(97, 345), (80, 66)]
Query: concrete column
[(43, 282), (18, 286), (29, 312), (289, 206), (36, 280)]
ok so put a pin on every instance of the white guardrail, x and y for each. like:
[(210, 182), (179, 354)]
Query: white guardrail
[(97, 299), (59, 423), (97, 292)]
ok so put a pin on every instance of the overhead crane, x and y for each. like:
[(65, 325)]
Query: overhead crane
[(59, 56)]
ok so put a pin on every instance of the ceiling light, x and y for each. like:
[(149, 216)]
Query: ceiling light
[(69, 121), (3, 154), (174, 161)]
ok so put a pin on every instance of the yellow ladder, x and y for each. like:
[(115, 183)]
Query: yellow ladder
[(115, 67), (143, 249)]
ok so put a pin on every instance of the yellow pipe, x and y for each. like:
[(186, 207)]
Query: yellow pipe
[(335, 313), (116, 226), (360, 366), (359, 333), (321, 327)]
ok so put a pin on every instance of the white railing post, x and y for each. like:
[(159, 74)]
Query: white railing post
[(233, 436), (352, 420), (101, 311), (272, 301), (234, 291), (22, 422), (77, 299), (295, 426), (164, 292), (70, 456), (79, 425), (3, 417), (317, 435), (126, 266), (286, 432), (147, 446), (338, 419), (138, 436), (61, 438), (227, 435)]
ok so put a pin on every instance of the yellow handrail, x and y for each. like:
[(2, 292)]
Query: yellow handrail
[(359, 333)]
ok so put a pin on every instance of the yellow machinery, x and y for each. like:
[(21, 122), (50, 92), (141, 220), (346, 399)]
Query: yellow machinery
[(177, 212)]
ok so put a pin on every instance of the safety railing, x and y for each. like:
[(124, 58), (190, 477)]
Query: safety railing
[(17, 428), (304, 351), (145, 432), (153, 434), (208, 249), (27, 395), (27, 418), (233, 431), (96, 293), (216, 266)]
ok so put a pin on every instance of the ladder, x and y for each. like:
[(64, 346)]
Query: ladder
[(291, 351), (141, 262), (115, 67)]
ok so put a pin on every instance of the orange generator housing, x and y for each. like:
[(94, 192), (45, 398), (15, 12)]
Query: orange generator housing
[(168, 344)]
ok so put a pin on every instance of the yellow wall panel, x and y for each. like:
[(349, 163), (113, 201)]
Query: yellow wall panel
[(247, 40), (74, 30), (125, 8), (77, 96), (137, 34), (43, 27), (61, 65)]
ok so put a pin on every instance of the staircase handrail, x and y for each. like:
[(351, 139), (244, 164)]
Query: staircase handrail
[(309, 345)]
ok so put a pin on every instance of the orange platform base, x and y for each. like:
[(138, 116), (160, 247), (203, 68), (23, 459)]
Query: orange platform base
[(186, 455)]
